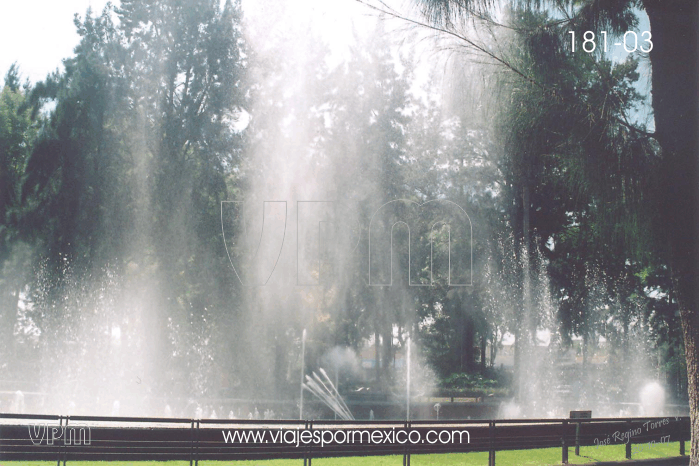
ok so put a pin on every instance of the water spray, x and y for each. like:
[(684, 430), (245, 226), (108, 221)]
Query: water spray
[(325, 390), (303, 370), (407, 395)]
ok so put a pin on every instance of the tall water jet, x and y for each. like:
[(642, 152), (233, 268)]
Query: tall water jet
[(314, 131), (407, 395), (324, 389), (18, 403), (652, 398), (303, 371)]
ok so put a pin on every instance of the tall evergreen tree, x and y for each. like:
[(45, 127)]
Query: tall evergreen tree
[(674, 64)]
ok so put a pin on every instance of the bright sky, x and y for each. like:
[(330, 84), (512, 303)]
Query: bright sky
[(38, 34)]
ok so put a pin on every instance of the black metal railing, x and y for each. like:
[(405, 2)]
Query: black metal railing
[(94, 438)]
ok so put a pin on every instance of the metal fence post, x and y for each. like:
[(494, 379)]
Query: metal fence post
[(305, 449), (310, 444), (65, 444), (60, 424), (408, 443), (405, 448), (564, 446), (577, 438), (628, 443), (491, 451), (191, 445), (196, 451)]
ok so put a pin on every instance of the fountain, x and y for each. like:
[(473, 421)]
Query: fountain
[(115, 408), (652, 398), (137, 332), (17, 405), (303, 370), (407, 396), (324, 389)]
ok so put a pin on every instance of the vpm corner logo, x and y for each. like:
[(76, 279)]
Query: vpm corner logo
[(437, 236), (44, 434)]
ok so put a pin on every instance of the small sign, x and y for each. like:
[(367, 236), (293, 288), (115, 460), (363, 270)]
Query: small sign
[(581, 415), (440, 399), (463, 399)]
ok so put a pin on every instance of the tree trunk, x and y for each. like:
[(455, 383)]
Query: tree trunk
[(527, 321), (9, 303), (675, 90), (280, 365), (689, 329), (493, 349), (625, 363), (387, 358), (467, 340), (520, 225), (377, 355)]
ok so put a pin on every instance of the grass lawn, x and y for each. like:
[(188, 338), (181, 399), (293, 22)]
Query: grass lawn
[(545, 456)]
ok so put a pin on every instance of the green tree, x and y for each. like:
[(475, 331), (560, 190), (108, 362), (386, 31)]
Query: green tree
[(186, 71), (674, 91), (370, 124), (127, 176), (17, 134)]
